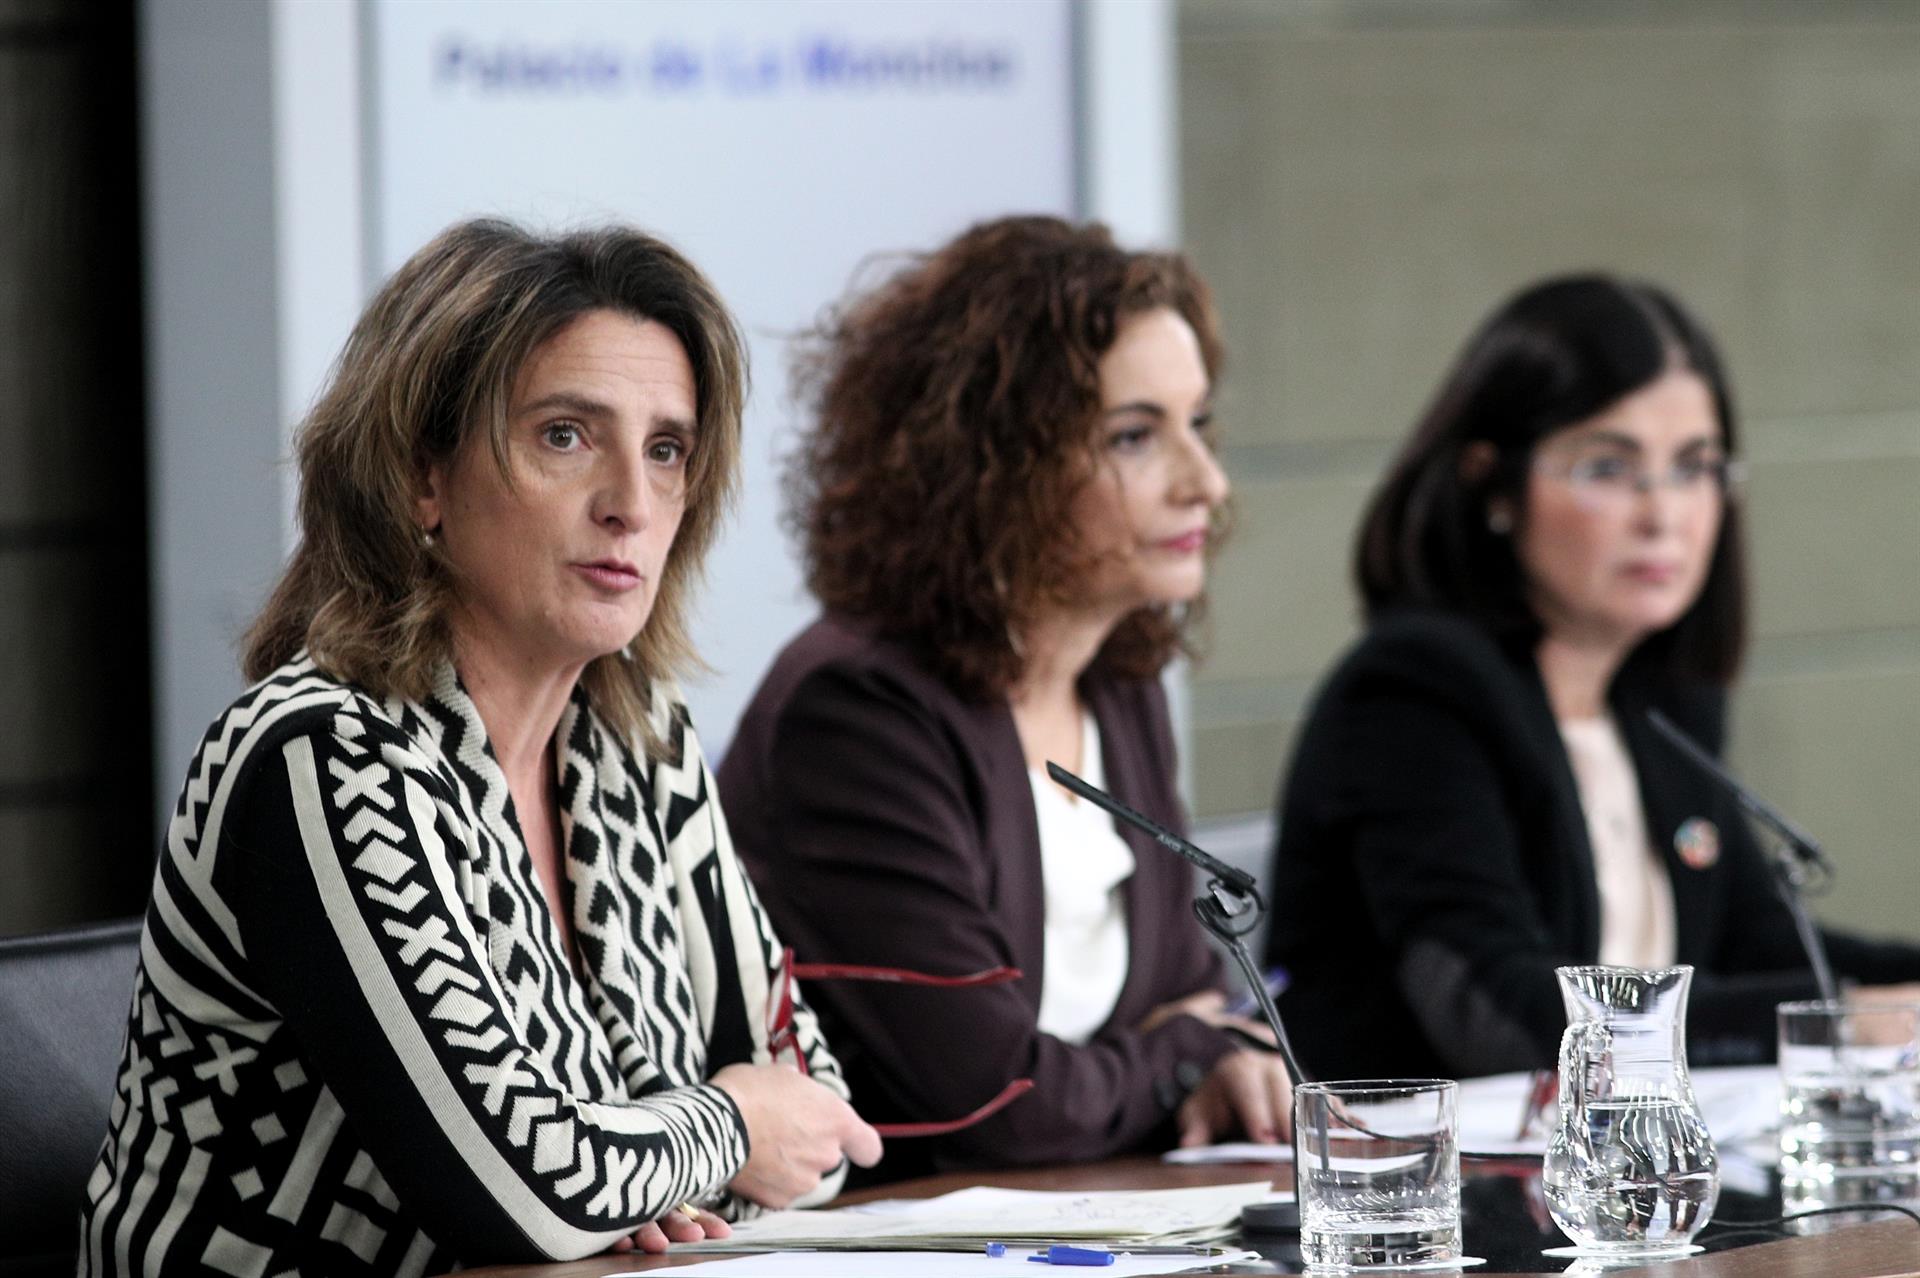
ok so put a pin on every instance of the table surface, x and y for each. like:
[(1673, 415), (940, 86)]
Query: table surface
[(1503, 1219)]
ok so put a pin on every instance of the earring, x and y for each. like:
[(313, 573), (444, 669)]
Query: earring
[(426, 538), (1499, 520)]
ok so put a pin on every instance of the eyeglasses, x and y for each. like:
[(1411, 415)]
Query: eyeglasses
[(784, 1037), (1609, 479)]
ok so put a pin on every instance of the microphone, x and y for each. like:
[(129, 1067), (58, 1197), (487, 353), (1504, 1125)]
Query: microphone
[(1801, 853), (1229, 909), (1228, 921), (1797, 840), (1237, 880)]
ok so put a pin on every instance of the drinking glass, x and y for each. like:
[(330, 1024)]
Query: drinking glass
[(1377, 1172), (1872, 1194), (1849, 1091)]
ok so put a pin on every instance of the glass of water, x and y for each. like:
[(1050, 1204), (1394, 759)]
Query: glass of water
[(1870, 1194), (1849, 1091), (1377, 1171)]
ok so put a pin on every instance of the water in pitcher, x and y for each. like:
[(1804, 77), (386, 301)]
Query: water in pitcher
[(1644, 1177)]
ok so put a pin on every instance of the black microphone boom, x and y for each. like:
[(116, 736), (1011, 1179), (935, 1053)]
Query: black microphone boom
[(1797, 839), (1227, 920), (1238, 880), (1228, 909), (1790, 872)]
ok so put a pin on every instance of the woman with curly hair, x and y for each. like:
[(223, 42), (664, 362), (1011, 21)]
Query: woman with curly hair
[(1006, 506)]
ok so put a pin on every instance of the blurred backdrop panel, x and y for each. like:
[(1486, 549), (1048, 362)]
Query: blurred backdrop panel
[(780, 143), (298, 151), (75, 799), (197, 197), (1365, 181)]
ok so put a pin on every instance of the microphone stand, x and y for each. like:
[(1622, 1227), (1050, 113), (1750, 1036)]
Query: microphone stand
[(1798, 863), (1229, 908)]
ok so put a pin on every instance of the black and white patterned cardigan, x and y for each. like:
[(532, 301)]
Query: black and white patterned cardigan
[(357, 1045)]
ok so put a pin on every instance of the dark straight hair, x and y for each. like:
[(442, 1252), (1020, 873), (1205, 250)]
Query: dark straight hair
[(1558, 353)]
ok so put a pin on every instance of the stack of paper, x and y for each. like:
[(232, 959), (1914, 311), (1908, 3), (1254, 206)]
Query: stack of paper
[(968, 1219)]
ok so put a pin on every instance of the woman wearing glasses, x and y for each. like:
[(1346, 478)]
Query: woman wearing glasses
[(1005, 505), (1477, 796)]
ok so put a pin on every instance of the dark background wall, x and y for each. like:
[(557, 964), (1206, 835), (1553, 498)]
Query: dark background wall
[(76, 797)]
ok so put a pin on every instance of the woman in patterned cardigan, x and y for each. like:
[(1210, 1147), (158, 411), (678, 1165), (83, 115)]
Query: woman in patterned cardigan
[(449, 958)]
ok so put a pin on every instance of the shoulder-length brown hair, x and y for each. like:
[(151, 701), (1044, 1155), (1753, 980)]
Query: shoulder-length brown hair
[(427, 372), (955, 408), (1554, 355)]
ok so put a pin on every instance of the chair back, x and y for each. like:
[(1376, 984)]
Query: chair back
[(63, 1022)]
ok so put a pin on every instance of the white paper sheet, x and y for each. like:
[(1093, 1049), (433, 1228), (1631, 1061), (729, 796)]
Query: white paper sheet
[(1241, 1151), (927, 1264), (969, 1218), (1741, 1104)]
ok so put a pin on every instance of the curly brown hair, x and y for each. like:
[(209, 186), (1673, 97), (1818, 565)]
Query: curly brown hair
[(427, 373), (955, 409)]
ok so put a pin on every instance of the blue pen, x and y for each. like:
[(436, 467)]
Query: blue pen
[(1247, 1005), (1058, 1255)]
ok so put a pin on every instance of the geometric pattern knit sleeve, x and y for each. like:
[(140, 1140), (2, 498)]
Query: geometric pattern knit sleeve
[(364, 941), (822, 1067), (356, 1044), (722, 915)]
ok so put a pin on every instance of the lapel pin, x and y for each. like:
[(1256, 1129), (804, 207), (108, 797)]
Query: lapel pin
[(1698, 843)]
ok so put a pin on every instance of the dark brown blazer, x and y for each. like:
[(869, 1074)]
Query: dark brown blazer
[(886, 820)]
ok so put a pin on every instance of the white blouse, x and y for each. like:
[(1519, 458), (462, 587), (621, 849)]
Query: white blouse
[(1636, 896), (1084, 863)]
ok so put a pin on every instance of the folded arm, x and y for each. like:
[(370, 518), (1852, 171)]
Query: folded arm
[(344, 880), (881, 862)]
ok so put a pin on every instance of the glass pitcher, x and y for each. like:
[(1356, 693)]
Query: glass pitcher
[(1630, 1168)]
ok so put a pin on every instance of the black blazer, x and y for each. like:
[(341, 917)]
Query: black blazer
[(1433, 866)]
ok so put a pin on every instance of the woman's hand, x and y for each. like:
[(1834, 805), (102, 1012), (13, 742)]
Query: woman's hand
[(798, 1132), (1247, 1092), (1908, 993), (1882, 1031), (675, 1227), (1209, 1007)]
